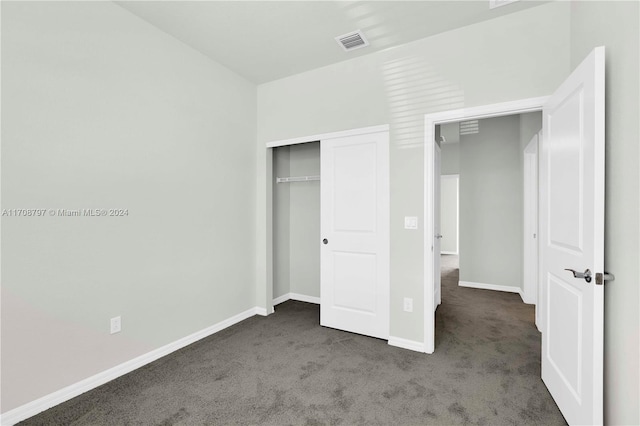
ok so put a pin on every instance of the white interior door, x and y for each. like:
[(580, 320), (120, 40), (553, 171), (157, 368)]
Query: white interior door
[(437, 277), (354, 283), (572, 236)]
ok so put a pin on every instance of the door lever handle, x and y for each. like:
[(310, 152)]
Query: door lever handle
[(586, 274), (438, 236)]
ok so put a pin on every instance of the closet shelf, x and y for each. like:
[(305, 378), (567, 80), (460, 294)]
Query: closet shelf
[(297, 179)]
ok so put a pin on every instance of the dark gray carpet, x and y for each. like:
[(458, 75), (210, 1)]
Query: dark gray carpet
[(286, 369)]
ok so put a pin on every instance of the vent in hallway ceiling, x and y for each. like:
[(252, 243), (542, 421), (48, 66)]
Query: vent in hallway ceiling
[(469, 127), (352, 41)]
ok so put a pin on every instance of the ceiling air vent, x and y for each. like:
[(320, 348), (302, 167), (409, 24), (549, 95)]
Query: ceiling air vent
[(468, 127), (352, 41)]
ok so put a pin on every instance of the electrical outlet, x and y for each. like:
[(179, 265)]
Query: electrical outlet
[(410, 222), (116, 325), (408, 304)]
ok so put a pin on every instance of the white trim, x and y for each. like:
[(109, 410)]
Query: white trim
[(412, 345), (280, 299), (449, 252), (303, 298), (296, 296), (39, 405), (261, 311), (496, 287), (430, 121), (332, 135), (488, 111), (530, 221)]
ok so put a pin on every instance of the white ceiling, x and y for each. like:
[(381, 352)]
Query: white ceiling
[(268, 40)]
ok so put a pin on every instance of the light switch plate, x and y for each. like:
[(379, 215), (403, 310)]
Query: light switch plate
[(408, 304), (410, 222), (116, 325)]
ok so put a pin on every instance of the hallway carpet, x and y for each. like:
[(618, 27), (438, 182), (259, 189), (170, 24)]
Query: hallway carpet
[(286, 369)]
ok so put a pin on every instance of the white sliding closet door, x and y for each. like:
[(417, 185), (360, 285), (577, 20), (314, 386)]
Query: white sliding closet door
[(354, 289)]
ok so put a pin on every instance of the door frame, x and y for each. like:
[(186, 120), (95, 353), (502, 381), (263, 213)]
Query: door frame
[(437, 212), (264, 290), (530, 209), (430, 121)]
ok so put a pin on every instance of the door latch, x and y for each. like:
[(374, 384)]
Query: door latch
[(601, 278), (586, 274)]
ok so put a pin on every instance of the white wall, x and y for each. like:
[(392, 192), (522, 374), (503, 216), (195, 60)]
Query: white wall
[(449, 213), (305, 220), (102, 110), (491, 203), (450, 158), (530, 125), (614, 24), (449, 165), (507, 58), (281, 223)]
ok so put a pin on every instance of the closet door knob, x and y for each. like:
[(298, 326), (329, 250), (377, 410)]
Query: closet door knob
[(325, 241)]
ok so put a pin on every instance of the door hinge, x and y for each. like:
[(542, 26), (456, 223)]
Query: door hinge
[(601, 278)]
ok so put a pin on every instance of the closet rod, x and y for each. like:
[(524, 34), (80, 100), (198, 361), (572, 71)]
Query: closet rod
[(297, 179)]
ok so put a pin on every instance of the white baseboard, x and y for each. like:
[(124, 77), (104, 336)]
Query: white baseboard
[(449, 252), (305, 298), (296, 296), (261, 311), (527, 298), (32, 408), (508, 289), (283, 298), (412, 345)]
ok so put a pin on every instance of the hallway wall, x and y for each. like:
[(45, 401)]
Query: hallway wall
[(491, 203)]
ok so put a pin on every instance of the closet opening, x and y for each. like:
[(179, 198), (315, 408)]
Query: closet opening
[(296, 223), (328, 227)]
